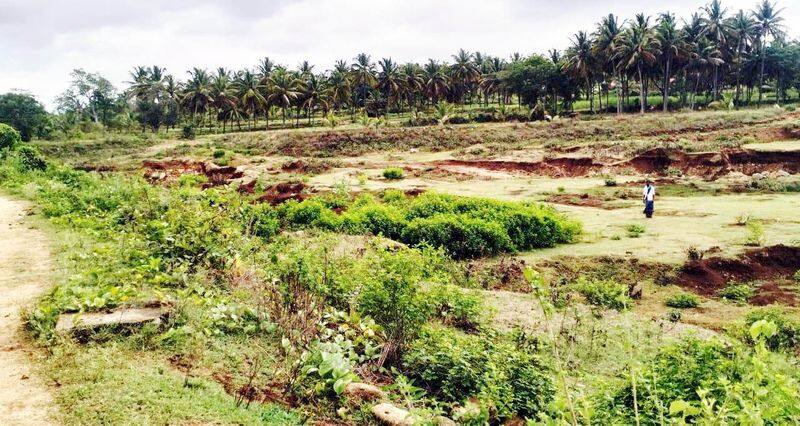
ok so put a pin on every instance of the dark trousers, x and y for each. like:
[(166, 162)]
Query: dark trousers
[(648, 208)]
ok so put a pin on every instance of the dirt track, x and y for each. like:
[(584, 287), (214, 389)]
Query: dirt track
[(25, 268)]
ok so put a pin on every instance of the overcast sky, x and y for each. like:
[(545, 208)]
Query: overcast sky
[(41, 41)]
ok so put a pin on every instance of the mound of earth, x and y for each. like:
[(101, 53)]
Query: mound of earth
[(282, 192), (708, 276), (655, 161), (170, 170)]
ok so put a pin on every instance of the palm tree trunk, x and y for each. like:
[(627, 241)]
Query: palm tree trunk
[(641, 92), (761, 75), (665, 99)]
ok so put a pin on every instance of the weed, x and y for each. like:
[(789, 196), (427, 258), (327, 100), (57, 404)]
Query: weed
[(738, 293), (393, 173), (634, 230), (683, 301), (755, 233), (605, 293)]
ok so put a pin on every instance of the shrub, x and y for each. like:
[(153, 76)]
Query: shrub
[(311, 212), (683, 301), (218, 153), (605, 293), (393, 173), (28, 158), (676, 372), (391, 293), (9, 137), (261, 220), (456, 366), (378, 219), (755, 233), (461, 236), (610, 181), (455, 306), (787, 336), (188, 132), (634, 230), (738, 293)]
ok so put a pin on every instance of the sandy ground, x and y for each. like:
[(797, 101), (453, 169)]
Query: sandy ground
[(25, 267)]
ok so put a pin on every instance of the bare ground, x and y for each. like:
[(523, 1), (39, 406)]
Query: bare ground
[(25, 267)]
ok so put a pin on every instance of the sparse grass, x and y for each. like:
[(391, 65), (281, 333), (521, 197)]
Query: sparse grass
[(634, 230)]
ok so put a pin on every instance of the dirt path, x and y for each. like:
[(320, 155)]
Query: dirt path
[(25, 267)]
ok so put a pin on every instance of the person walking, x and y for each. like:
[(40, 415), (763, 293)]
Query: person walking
[(648, 197)]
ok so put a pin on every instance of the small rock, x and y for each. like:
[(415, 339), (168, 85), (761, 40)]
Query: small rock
[(413, 150), (635, 291), (444, 421), (781, 173), (393, 416), (364, 391), (128, 316)]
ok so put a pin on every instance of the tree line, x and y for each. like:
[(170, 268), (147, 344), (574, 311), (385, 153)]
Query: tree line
[(714, 57)]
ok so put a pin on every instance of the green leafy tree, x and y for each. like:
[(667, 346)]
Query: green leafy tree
[(24, 113)]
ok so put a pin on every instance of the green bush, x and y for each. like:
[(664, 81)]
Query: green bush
[(787, 336), (455, 306), (676, 372), (28, 158), (462, 236), (261, 220), (390, 293), (455, 367), (188, 132), (604, 293), (393, 173), (738, 293), (9, 137), (377, 219), (683, 301), (308, 213)]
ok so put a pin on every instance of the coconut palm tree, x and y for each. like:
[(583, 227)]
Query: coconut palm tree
[(315, 94), (363, 75), (413, 82), (248, 90), (605, 38), (716, 30), (223, 96), (743, 31), (463, 73), (265, 67), (671, 43), (770, 24), (197, 94), (436, 80), (580, 63), (390, 81), (637, 49), (282, 88)]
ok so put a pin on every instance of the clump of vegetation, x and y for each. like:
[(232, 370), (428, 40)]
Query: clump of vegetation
[(755, 233), (683, 301), (634, 230), (787, 333), (188, 132), (9, 137), (505, 379), (464, 227), (605, 293), (610, 181), (393, 173), (738, 293)]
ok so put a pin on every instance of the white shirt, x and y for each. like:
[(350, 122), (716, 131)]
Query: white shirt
[(649, 192)]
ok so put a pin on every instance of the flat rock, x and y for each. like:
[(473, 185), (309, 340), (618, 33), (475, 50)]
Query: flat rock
[(128, 316), (393, 416)]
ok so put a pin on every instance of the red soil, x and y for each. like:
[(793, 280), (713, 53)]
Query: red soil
[(708, 276), (170, 170), (655, 161), (282, 192)]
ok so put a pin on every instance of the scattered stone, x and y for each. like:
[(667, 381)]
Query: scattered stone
[(393, 416), (128, 316), (635, 291), (364, 391), (413, 150)]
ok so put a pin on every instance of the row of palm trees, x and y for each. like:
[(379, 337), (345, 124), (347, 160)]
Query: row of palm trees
[(708, 52), (711, 45)]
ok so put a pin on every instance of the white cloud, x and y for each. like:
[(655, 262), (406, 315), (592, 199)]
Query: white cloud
[(43, 40)]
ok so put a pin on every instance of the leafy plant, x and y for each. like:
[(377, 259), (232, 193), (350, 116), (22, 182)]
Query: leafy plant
[(9, 137), (738, 293), (604, 293), (634, 230), (755, 233), (683, 301), (393, 173)]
